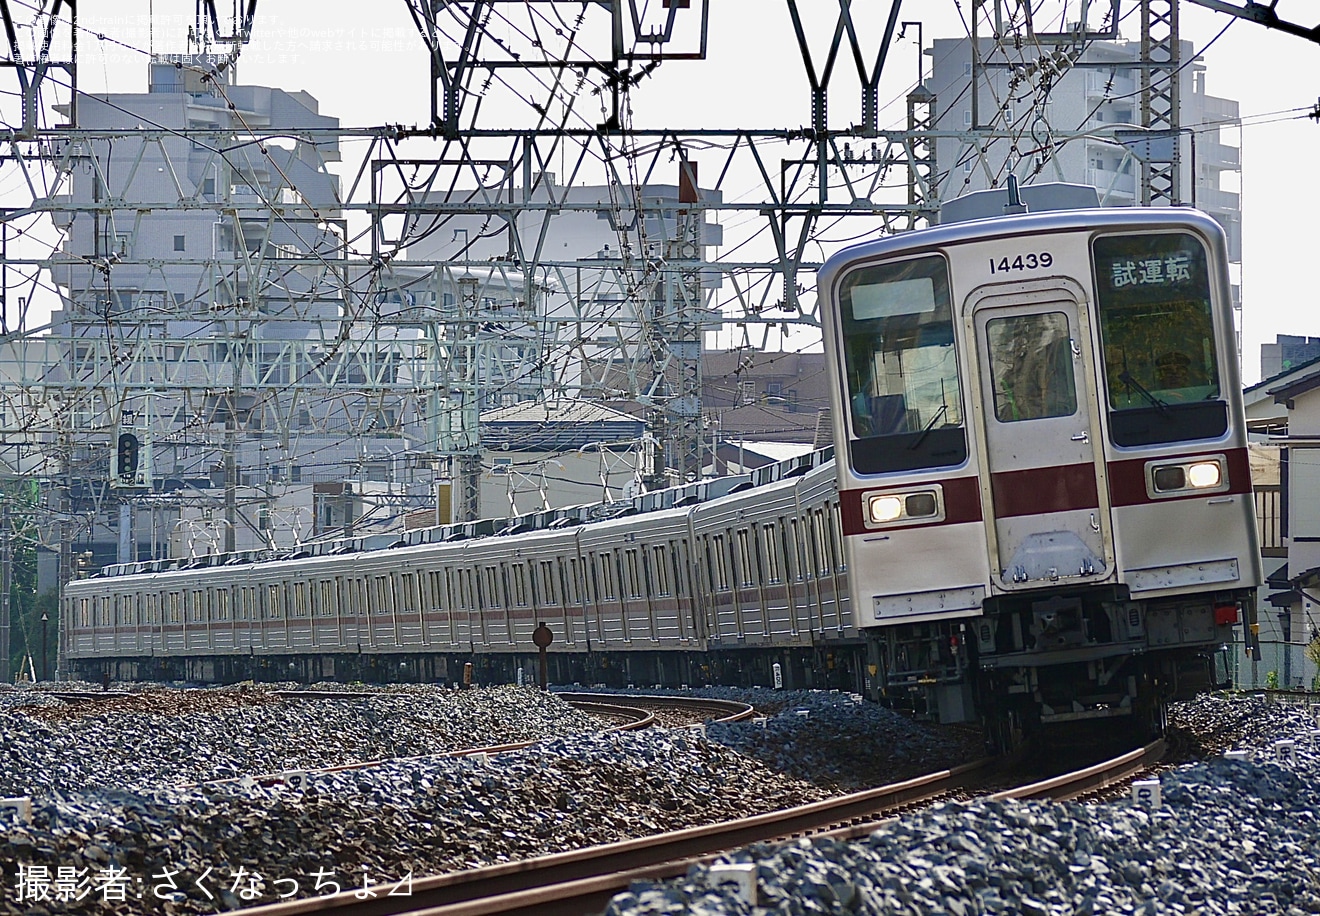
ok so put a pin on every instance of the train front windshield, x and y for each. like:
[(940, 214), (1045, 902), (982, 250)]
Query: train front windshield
[(1157, 328), (905, 405)]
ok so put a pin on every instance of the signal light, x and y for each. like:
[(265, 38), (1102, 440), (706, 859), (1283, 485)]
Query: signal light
[(126, 456)]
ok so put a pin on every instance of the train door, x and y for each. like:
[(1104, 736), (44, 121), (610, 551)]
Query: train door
[(1044, 488)]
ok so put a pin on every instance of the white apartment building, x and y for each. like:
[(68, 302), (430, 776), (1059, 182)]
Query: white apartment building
[(203, 279), (1092, 109)]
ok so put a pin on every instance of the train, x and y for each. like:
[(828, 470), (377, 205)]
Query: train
[(1037, 510), (1042, 460)]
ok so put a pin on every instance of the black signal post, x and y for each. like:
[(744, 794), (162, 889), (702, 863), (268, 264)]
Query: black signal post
[(542, 637)]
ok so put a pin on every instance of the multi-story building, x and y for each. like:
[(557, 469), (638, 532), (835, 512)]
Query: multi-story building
[(209, 313), (1077, 122)]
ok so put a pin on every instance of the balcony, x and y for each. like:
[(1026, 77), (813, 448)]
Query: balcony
[(1215, 155), (1114, 187), (1215, 199), (1269, 520)]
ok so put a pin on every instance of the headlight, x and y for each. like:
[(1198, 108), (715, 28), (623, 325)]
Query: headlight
[(882, 508), (885, 508), (1187, 476), (1204, 475)]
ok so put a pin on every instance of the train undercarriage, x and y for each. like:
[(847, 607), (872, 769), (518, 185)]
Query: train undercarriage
[(1036, 661), (838, 665)]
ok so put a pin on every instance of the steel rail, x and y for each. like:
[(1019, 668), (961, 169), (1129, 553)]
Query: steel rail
[(460, 891), (1090, 779), (583, 880), (633, 719)]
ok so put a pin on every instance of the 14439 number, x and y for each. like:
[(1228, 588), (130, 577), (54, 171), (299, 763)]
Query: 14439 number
[(1033, 261)]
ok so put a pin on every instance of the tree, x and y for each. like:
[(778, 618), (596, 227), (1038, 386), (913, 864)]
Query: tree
[(25, 605), (1313, 654)]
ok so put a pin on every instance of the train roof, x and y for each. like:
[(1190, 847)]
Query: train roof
[(1106, 218), (679, 497)]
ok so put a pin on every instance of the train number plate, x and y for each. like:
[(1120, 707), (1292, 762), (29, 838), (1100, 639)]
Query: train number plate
[(1034, 260)]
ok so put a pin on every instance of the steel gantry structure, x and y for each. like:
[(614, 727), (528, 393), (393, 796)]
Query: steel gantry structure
[(343, 306)]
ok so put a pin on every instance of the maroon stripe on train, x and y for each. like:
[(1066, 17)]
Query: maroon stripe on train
[(962, 504), (1127, 479), (1035, 491)]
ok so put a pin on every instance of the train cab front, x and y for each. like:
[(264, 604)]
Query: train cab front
[(1042, 468)]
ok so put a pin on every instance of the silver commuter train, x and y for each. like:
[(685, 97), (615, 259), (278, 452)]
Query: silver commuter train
[(724, 579), (1041, 513), (1042, 461)]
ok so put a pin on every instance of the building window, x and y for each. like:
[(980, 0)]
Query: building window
[(178, 243)]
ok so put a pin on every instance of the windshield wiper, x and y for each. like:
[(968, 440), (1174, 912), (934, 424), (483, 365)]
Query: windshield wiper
[(1126, 378), (929, 426)]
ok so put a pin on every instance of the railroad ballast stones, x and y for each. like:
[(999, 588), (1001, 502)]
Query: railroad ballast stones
[(1232, 836)]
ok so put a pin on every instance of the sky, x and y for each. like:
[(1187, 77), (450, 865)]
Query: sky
[(366, 65)]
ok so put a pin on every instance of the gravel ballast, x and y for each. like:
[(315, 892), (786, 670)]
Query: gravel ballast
[(1231, 836), (157, 737)]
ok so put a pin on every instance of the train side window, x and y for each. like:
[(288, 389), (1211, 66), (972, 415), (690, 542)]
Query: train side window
[(1157, 332), (1031, 367), (660, 570), (745, 572), (222, 604), (408, 599), (720, 561), (549, 594), (835, 535), (634, 573), (519, 577), (492, 592), (770, 545), (176, 600), (450, 598), (467, 585), (605, 574), (572, 583), (819, 551), (325, 606), (905, 403), (275, 601)]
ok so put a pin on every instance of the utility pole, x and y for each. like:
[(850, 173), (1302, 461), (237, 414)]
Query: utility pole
[(6, 583), (1161, 178)]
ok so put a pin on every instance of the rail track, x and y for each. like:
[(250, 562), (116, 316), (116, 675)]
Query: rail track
[(628, 713), (582, 881)]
